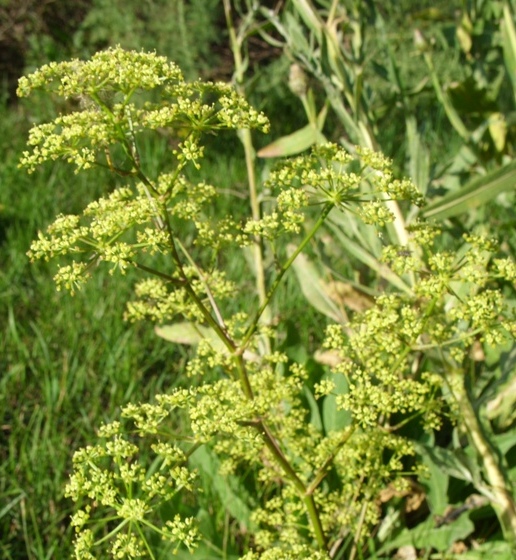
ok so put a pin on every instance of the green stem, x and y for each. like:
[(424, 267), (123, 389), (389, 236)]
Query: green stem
[(272, 290), (247, 142), (154, 272), (502, 499), (264, 295), (291, 474), (323, 471), (116, 530)]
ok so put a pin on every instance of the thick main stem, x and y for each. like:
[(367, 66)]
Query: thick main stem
[(265, 296), (502, 493), (247, 142)]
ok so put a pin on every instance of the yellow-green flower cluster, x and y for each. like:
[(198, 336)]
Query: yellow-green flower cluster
[(401, 259), (113, 69), (291, 552), (98, 236), (376, 363), (108, 87), (454, 303), (329, 175), (161, 301), (236, 113), (113, 480)]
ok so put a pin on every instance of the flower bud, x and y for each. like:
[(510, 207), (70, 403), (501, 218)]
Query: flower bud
[(297, 81)]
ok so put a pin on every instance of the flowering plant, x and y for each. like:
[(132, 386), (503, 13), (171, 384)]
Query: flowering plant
[(317, 487)]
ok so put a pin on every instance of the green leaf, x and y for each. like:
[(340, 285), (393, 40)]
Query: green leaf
[(444, 99), (295, 35), (335, 419), (315, 415), (309, 15), (498, 550), (13, 503), (364, 255), (298, 141), (502, 408), (509, 44), (453, 463), (436, 485), (475, 193), (506, 441), (189, 334), (427, 536), (315, 289), (418, 156), (228, 487), (498, 130), (463, 33)]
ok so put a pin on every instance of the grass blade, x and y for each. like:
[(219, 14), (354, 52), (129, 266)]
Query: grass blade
[(443, 97)]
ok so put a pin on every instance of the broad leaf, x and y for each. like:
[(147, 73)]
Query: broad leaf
[(427, 536), (335, 419)]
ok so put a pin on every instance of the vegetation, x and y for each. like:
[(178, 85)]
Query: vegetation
[(333, 371)]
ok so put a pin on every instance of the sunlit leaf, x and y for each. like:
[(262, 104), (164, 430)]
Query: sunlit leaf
[(189, 334), (298, 141), (509, 44), (418, 155), (473, 194)]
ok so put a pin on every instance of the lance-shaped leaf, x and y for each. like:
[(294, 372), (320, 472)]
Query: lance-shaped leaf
[(315, 289), (191, 334), (418, 163), (444, 98), (473, 194), (509, 44)]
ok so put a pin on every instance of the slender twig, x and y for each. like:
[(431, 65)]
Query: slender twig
[(307, 498), (323, 471), (154, 272), (272, 290), (201, 276)]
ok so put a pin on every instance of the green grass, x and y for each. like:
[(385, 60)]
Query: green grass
[(67, 363)]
